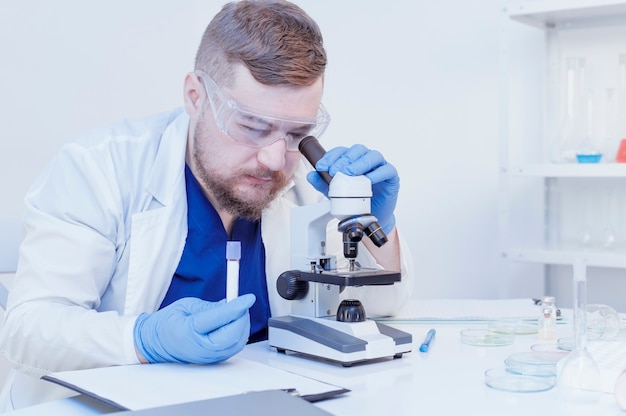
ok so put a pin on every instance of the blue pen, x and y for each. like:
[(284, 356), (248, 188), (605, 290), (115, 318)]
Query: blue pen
[(429, 337)]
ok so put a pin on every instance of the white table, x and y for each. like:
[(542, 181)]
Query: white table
[(448, 380)]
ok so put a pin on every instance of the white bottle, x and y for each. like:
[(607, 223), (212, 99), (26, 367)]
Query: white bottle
[(547, 319)]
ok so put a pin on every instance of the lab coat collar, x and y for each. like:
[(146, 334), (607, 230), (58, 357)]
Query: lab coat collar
[(168, 168)]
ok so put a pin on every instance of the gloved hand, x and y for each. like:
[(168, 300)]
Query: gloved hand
[(359, 160), (192, 330)]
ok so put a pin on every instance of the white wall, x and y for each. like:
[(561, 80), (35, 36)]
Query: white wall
[(418, 80)]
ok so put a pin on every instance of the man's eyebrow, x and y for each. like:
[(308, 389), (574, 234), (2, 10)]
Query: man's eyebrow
[(270, 124), (256, 119), (302, 128)]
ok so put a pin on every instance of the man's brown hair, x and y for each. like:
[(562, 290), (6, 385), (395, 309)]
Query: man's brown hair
[(276, 40)]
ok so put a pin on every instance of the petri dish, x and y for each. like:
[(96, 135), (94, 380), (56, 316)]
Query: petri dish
[(502, 379), (486, 337), (513, 326), (532, 370), (535, 358), (565, 344), (548, 347), (536, 363)]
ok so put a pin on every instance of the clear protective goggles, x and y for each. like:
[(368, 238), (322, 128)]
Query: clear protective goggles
[(252, 128)]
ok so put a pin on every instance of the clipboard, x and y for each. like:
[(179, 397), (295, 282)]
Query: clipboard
[(144, 386), (258, 403)]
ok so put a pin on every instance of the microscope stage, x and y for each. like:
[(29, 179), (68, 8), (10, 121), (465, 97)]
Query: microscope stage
[(359, 277)]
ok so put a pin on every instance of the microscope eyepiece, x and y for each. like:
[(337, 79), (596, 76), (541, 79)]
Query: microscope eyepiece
[(313, 151)]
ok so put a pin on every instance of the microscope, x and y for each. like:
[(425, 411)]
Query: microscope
[(320, 325)]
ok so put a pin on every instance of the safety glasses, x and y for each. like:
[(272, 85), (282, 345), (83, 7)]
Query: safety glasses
[(253, 128)]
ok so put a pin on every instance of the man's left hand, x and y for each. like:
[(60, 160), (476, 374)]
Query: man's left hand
[(359, 160)]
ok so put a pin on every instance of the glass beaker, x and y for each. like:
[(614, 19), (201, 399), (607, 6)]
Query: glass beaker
[(603, 322)]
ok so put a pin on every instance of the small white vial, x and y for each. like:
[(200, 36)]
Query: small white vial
[(547, 319), (233, 254)]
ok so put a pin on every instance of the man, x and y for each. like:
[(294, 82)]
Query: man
[(124, 256)]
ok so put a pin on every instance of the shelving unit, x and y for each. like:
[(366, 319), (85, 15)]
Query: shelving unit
[(566, 14), (549, 170), (567, 256), (564, 21)]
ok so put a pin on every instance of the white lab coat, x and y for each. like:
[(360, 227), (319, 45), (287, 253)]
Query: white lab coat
[(105, 229)]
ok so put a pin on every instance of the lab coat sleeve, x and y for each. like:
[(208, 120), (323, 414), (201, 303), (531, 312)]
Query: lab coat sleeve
[(67, 258)]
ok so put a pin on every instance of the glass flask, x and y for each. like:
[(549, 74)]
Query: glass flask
[(574, 139), (578, 380)]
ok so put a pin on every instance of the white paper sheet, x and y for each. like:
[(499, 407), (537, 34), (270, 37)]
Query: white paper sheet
[(466, 310), (144, 386)]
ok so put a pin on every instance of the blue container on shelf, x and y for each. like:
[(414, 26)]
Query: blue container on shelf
[(588, 157)]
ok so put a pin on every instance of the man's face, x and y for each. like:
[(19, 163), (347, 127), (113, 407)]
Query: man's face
[(237, 178)]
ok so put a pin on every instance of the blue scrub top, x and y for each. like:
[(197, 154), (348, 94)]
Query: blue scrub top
[(201, 272)]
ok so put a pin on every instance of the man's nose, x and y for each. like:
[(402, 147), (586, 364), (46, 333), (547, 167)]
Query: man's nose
[(273, 155)]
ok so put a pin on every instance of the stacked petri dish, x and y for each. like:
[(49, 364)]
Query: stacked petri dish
[(526, 372)]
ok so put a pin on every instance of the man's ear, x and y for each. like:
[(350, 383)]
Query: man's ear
[(193, 94)]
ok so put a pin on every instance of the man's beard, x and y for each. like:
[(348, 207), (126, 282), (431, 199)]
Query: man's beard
[(224, 190)]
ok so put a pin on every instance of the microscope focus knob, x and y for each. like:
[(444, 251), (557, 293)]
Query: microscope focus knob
[(290, 287), (351, 310)]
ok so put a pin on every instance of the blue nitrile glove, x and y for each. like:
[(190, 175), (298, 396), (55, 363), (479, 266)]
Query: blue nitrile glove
[(192, 330), (359, 160)]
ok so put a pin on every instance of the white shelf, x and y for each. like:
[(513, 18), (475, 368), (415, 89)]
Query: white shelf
[(568, 14), (567, 256), (553, 16), (571, 170)]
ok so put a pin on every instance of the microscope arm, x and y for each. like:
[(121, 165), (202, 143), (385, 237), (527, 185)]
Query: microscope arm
[(308, 234)]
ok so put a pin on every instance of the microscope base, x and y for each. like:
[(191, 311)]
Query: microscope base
[(343, 342)]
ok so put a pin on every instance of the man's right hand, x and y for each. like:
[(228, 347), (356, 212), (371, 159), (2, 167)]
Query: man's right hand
[(193, 330)]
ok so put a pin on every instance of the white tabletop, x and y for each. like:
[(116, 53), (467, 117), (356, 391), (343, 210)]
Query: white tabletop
[(447, 380)]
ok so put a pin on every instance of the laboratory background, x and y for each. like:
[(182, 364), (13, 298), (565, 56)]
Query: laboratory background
[(452, 92)]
